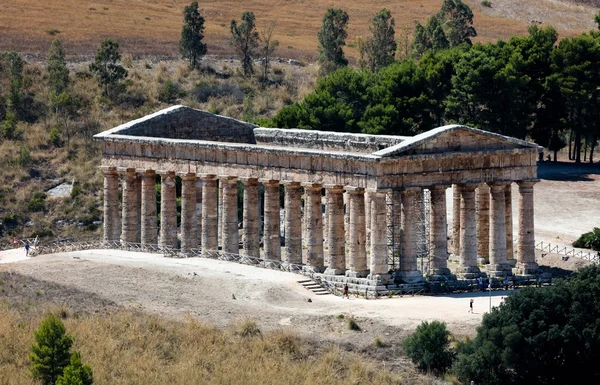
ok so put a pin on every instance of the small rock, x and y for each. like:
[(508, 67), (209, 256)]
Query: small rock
[(233, 296), (195, 273), (308, 300)]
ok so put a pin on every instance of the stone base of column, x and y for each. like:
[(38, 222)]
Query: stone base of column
[(313, 269), (512, 262), (357, 274), (412, 276), (499, 270), (331, 271), (468, 272), (381, 279), (527, 268), (483, 260)]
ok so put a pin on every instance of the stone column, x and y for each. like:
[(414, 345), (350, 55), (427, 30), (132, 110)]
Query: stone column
[(220, 214), (357, 253), (272, 233), (209, 213), (168, 211), (439, 232), (456, 219), (498, 266), (368, 220), (189, 230), (468, 232), (378, 250), (293, 223), (138, 208), (408, 260), (483, 223), (112, 229), (510, 257), (251, 223), (314, 227), (131, 219), (231, 238), (336, 263), (526, 245), (199, 211), (149, 220), (394, 210)]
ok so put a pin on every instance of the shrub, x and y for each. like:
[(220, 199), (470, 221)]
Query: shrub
[(353, 325), (168, 92), (9, 126), (589, 240), (429, 347), (248, 328), (55, 138), (76, 373), (24, 157), (378, 342), (205, 92), (37, 202), (486, 3), (50, 351)]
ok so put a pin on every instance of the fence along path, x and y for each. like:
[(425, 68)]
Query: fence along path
[(569, 252)]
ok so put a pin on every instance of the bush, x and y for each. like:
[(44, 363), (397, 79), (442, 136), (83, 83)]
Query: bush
[(353, 325), (24, 157), (168, 92), (248, 328), (486, 3), (589, 240), (55, 138), (205, 92), (37, 202), (429, 347), (50, 351), (9, 126), (76, 373)]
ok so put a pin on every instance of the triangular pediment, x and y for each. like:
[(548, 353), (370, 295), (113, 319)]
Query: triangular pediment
[(454, 138)]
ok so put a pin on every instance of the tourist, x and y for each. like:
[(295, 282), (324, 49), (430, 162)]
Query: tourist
[(471, 306), (16, 242), (27, 249), (346, 291), (35, 241), (506, 283)]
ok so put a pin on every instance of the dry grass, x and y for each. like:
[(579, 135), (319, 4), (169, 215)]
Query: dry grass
[(152, 27), (125, 347)]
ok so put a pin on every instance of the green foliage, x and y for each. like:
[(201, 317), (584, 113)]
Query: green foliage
[(107, 69), (380, 49), (353, 325), (332, 39), (54, 137), (9, 126), (76, 373), (429, 347), (430, 38), (486, 3), (14, 64), (50, 351), (76, 191), (24, 157), (37, 202), (538, 336), (458, 22), (589, 240), (378, 343), (58, 73), (244, 40), (269, 45), (191, 44), (597, 19), (168, 92)]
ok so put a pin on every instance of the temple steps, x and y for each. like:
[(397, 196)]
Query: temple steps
[(311, 285)]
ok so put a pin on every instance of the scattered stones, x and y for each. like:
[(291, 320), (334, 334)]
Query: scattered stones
[(308, 300)]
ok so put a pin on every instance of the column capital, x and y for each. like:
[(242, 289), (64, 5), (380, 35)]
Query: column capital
[(126, 170), (165, 173), (249, 181), (498, 184), (187, 175), (228, 179), (107, 170), (440, 187), (337, 187), (467, 186), (269, 182), (208, 177), (377, 193), (312, 186), (147, 172), (354, 190), (290, 184), (527, 183), (411, 190)]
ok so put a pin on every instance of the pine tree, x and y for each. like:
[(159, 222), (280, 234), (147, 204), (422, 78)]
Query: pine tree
[(76, 373), (458, 22), (58, 73), (191, 44), (50, 352), (332, 39), (244, 39), (107, 68), (383, 43)]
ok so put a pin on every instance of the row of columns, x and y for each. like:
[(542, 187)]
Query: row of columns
[(199, 227)]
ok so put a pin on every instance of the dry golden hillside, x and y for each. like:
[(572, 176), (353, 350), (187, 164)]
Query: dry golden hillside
[(153, 26)]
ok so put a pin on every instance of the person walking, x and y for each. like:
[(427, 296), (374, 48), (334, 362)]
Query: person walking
[(345, 291), (471, 306), (27, 249)]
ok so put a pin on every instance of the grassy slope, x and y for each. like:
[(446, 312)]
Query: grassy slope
[(153, 26)]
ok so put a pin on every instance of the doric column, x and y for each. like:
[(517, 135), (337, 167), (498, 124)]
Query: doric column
[(293, 223), (314, 227), (483, 223), (138, 208), (209, 213), (112, 229), (456, 219), (168, 210), (336, 263), (199, 211), (378, 250), (468, 232), (368, 220), (149, 220), (220, 214), (498, 265), (357, 253), (438, 233), (272, 232), (408, 260), (131, 220), (251, 223), (189, 230), (526, 245), (394, 228), (230, 237), (510, 256)]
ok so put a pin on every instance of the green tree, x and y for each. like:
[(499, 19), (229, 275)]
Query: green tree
[(429, 347), (107, 69), (245, 40), (76, 373), (64, 109), (50, 353), (548, 336), (589, 240), (332, 39), (268, 47), (458, 22), (430, 38), (191, 44), (380, 49), (58, 73), (14, 64), (597, 19), (9, 126)]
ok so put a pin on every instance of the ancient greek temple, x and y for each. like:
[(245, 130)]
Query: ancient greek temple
[(323, 200)]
